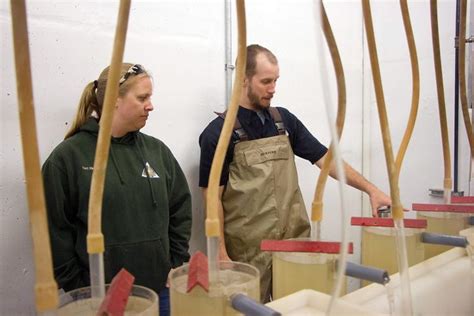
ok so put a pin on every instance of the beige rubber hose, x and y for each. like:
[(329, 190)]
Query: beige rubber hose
[(415, 76), (46, 293), (462, 75), (397, 209), (212, 220), (95, 238), (440, 91), (317, 206)]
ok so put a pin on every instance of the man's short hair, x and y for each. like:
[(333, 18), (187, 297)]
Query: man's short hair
[(252, 53)]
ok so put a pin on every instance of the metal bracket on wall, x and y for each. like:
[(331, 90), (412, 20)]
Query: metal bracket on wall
[(469, 40), (440, 193)]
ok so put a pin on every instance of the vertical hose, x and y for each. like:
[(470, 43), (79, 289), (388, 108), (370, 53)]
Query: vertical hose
[(46, 293), (415, 75), (317, 206), (397, 209), (212, 203), (342, 262), (95, 238), (462, 75), (402, 258), (441, 100)]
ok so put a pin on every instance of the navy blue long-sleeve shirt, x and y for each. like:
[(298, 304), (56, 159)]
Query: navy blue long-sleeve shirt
[(303, 143)]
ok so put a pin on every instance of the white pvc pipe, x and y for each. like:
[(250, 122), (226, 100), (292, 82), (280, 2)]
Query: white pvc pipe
[(229, 67)]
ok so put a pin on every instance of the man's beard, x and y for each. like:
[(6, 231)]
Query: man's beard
[(254, 100)]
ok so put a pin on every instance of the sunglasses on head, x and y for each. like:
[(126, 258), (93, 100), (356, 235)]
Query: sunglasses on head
[(133, 70)]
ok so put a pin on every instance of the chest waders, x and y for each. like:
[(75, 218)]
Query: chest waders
[(262, 200)]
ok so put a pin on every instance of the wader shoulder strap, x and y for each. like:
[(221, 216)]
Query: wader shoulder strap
[(276, 116), (274, 113), (237, 127)]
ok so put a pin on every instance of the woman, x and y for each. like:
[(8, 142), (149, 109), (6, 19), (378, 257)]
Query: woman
[(146, 208)]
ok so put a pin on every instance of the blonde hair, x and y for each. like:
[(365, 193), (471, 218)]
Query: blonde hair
[(92, 98)]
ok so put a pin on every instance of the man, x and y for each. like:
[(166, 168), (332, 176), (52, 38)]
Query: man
[(260, 196)]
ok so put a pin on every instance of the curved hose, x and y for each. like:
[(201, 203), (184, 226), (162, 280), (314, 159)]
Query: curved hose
[(95, 238), (46, 291), (441, 100), (397, 209), (462, 74), (415, 97), (212, 203), (317, 206), (341, 265)]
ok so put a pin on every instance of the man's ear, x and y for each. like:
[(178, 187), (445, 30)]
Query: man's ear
[(246, 82)]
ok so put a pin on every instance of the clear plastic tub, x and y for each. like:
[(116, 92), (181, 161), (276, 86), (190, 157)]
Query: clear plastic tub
[(443, 223), (79, 302), (295, 271), (234, 277), (379, 248)]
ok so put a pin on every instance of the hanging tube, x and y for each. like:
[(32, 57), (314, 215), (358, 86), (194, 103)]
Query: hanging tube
[(46, 290), (402, 258), (95, 238), (447, 185), (462, 75), (397, 209), (415, 75), (338, 163), (317, 205), (212, 203)]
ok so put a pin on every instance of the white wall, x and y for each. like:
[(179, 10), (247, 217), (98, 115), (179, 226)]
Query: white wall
[(182, 43), (423, 164)]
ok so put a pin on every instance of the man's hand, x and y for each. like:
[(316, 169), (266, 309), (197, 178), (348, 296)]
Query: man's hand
[(378, 199)]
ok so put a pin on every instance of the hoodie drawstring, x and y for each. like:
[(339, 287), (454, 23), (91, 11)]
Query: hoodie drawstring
[(146, 169), (116, 165)]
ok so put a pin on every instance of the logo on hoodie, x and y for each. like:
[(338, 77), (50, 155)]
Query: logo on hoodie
[(151, 172)]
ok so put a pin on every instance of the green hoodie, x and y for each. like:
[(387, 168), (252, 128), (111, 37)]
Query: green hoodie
[(146, 210)]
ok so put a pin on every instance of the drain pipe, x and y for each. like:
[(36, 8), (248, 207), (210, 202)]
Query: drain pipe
[(229, 67), (371, 274), (249, 307), (448, 240), (456, 102)]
